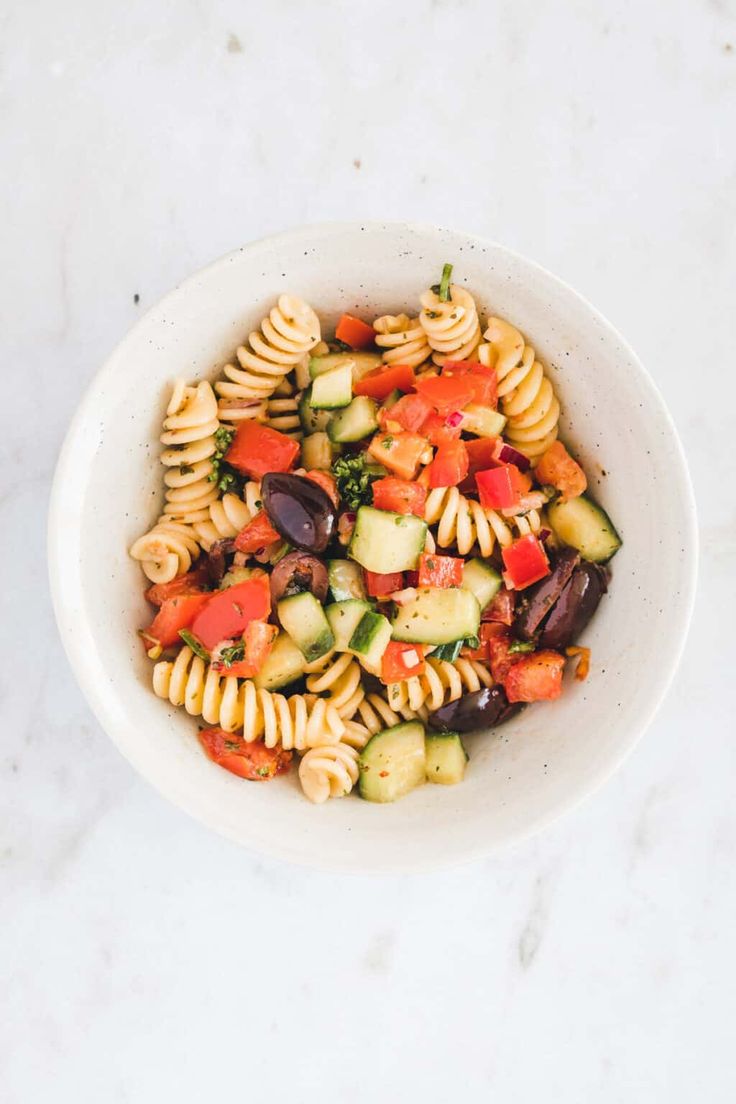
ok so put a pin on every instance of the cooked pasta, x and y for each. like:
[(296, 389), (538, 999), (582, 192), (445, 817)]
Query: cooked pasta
[(166, 551), (464, 522), (339, 677), (229, 514), (451, 326), (287, 333), (189, 434), (526, 393), (441, 682), (402, 340), (328, 771), (283, 415)]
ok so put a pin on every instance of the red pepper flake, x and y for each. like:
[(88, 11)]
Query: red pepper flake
[(383, 774)]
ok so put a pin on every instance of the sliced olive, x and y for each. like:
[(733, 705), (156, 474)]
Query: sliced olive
[(299, 510), (575, 606), (538, 600), (216, 554), (297, 572), (484, 708)]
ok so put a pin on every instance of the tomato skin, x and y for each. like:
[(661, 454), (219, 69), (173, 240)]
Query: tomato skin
[(253, 761), (399, 496), (400, 452), (496, 488), (175, 613), (258, 640), (393, 667), (501, 608), (227, 612), (354, 332), (257, 534), (445, 393), (381, 382), (450, 465), (194, 582), (535, 677), (410, 412), (525, 561), (257, 449), (558, 469), (379, 585), (482, 380), (440, 571)]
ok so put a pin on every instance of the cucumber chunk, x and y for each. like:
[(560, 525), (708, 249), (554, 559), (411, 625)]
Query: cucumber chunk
[(584, 525), (345, 579), (360, 363), (482, 580), (482, 421), (354, 422), (370, 640), (344, 618), (283, 665), (446, 758), (386, 542), (332, 389), (313, 421), (317, 452), (304, 620), (437, 616), (392, 763)]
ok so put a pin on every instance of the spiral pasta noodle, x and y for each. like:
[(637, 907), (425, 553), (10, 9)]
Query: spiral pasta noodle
[(297, 722), (283, 415), (289, 331), (338, 676), (228, 515), (166, 551), (328, 771), (525, 392), (402, 340), (451, 326), (442, 682)]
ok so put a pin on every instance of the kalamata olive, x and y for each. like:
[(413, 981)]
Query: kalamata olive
[(484, 708), (296, 572), (575, 606), (539, 599), (299, 510), (216, 554)]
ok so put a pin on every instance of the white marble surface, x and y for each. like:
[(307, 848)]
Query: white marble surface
[(143, 959)]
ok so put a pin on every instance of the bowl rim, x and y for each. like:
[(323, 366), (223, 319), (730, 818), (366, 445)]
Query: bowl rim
[(67, 495)]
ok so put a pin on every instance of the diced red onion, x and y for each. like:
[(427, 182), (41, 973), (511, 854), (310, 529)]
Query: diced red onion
[(509, 455), (544, 534), (455, 419)]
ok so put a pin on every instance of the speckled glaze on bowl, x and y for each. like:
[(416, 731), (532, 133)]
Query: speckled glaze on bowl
[(108, 489)]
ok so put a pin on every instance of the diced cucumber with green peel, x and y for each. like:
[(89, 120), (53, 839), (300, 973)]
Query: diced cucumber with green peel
[(283, 664), (437, 616), (482, 421), (392, 763), (370, 640), (360, 363), (387, 542), (584, 525), (344, 618), (304, 620), (332, 390), (345, 579), (482, 580), (313, 421), (317, 452), (445, 758), (391, 399), (354, 422)]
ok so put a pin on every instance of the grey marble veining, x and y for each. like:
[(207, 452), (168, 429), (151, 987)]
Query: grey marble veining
[(143, 959)]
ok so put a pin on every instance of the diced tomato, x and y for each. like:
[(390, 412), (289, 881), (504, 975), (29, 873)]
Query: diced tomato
[(227, 613), (257, 534), (440, 571), (480, 452), (257, 449), (380, 383), (379, 585), (450, 465), (253, 761), (410, 412), (501, 659), (400, 452), (175, 614), (327, 482), (496, 488), (501, 609), (445, 393), (487, 631), (402, 661), (535, 677), (525, 561), (193, 582), (257, 641), (558, 469), (354, 332), (520, 481), (438, 432), (481, 379), (399, 496)]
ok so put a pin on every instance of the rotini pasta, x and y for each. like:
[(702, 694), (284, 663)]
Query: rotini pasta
[(441, 682), (338, 675), (402, 340), (283, 415), (329, 771), (451, 326), (229, 514), (166, 551)]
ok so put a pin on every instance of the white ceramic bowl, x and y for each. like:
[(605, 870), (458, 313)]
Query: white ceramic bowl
[(108, 488)]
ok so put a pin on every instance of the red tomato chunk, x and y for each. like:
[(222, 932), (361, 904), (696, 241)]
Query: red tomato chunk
[(496, 488), (450, 465), (379, 586), (525, 561), (380, 383), (257, 449), (536, 677), (253, 761), (402, 661), (354, 332), (175, 614), (445, 393), (228, 612), (399, 496), (440, 571), (257, 534)]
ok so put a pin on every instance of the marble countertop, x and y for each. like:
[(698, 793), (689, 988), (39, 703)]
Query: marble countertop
[(144, 959)]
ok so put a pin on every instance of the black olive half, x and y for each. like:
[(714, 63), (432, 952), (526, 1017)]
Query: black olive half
[(575, 606), (484, 708), (299, 510), (538, 600), (297, 572)]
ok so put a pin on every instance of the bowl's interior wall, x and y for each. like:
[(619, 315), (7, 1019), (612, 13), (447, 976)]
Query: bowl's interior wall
[(539, 762)]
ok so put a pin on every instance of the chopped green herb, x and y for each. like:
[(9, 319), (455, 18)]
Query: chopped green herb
[(233, 745), (263, 772), (193, 643), (387, 442), (444, 292), (235, 654), (185, 469), (472, 642), (517, 646), (431, 565), (223, 475), (338, 346), (354, 479)]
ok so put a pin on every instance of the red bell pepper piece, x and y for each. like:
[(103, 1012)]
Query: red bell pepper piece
[(257, 534), (253, 761), (445, 393), (355, 333), (174, 614), (257, 449), (399, 496), (525, 561), (379, 585), (440, 571), (402, 661), (497, 488), (536, 677), (450, 465), (227, 612), (380, 383)]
